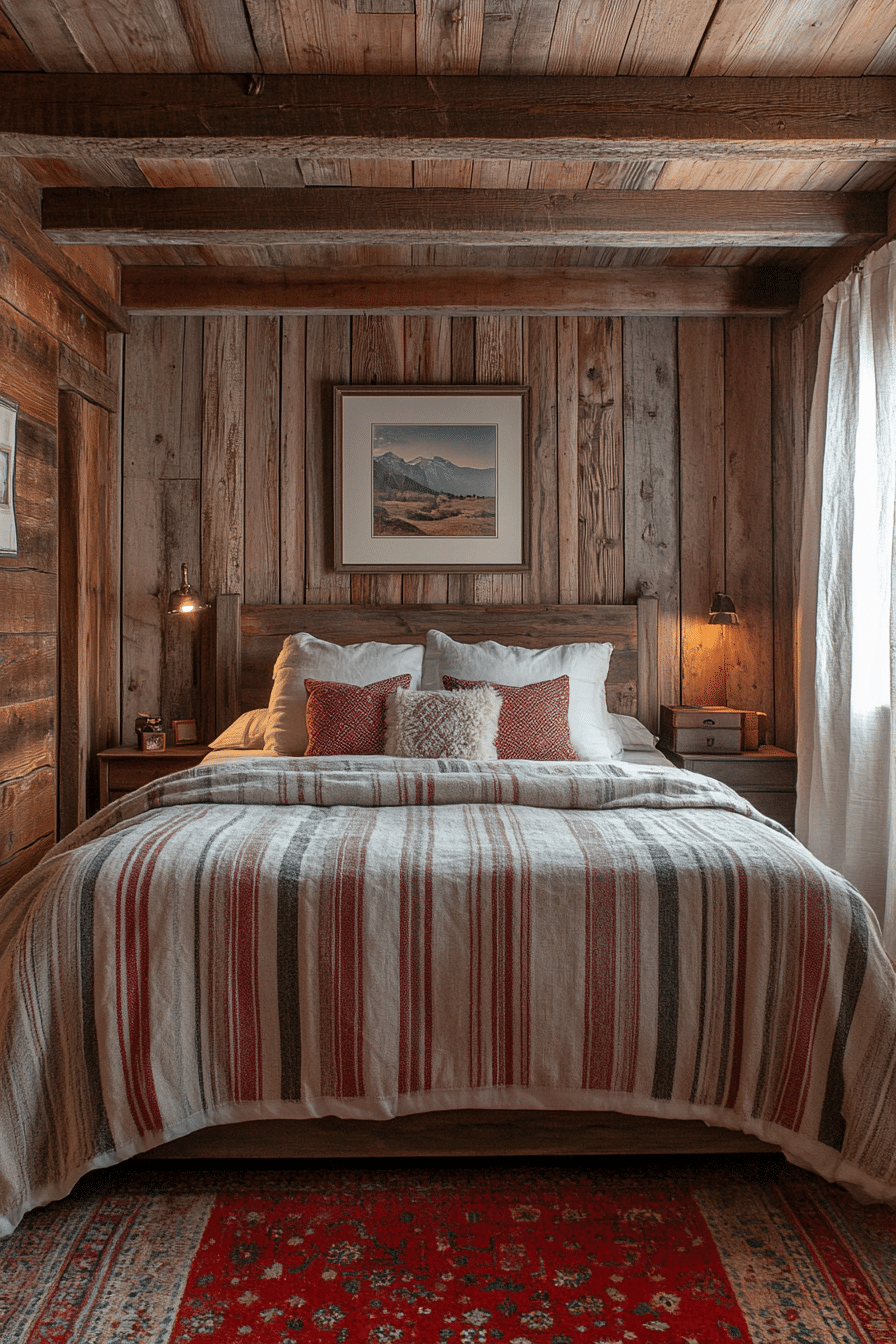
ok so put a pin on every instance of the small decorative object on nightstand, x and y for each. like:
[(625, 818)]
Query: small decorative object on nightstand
[(123, 769), (702, 728), (766, 778)]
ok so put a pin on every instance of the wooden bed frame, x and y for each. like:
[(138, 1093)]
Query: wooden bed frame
[(247, 642)]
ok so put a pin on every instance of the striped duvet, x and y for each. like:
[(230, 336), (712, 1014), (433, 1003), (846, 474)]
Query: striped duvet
[(370, 937)]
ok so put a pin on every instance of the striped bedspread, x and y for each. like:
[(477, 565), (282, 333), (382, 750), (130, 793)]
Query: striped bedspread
[(370, 937)]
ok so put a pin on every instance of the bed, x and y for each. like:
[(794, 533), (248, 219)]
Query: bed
[(336, 956)]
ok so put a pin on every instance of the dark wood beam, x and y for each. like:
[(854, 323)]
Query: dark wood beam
[(835, 264), (413, 117), (697, 291), (366, 215)]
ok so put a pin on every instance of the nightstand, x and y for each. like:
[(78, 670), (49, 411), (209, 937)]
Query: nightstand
[(123, 769), (766, 778)]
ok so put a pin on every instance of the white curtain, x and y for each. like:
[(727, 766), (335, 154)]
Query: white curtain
[(846, 798)]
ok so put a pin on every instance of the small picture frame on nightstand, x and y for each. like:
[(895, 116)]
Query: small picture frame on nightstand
[(184, 731), (152, 741)]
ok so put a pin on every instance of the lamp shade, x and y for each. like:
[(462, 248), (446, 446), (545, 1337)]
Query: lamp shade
[(723, 611), (185, 599)]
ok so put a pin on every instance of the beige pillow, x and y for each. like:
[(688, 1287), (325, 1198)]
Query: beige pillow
[(245, 733), (459, 724), (305, 658)]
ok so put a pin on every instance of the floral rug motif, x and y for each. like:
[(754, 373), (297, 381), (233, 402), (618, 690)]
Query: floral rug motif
[(670, 1251)]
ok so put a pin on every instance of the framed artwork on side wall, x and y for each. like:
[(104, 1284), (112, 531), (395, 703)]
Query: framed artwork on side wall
[(9, 541), (431, 479)]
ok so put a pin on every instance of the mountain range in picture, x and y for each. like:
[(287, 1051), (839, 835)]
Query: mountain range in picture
[(428, 494)]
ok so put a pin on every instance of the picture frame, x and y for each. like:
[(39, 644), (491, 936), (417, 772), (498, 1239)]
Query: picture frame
[(9, 539), (184, 731), (152, 741), (431, 479)]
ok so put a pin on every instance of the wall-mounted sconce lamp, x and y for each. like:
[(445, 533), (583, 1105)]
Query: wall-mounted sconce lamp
[(723, 611), (185, 599)]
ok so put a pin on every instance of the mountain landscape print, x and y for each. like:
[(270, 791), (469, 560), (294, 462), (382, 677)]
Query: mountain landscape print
[(435, 480)]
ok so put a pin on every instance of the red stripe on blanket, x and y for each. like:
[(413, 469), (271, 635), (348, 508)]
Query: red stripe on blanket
[(814, 962)]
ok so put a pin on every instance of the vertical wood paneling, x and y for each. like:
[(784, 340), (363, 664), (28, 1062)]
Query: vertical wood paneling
[(223, 453), (292, 460), (787, 471), (568, 458), (499, 359), (327, 363), (650, 386), (636, 424), (748, 511), (262, 506), (600, 460), (88, 598), (542, 583), (462, 587), (701, 401), (427, 362), (378, 359)]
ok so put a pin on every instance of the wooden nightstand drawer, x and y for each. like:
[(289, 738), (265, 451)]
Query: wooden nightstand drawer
[(123, 769), (766, 778)]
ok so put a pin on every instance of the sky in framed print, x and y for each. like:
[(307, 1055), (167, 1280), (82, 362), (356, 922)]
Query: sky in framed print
[(434, 480)]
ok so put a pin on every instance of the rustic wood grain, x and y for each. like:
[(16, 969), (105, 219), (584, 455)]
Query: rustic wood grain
[(377, 360), (292, 460), (27, 737), (498, 359), (382, 215), (748, 511), (328, 362), (27, 812), (433, 116), (23, 285), (701, 393), (28, 668), (567, 459), (542, 583), (787, 479), (35, 497), (223, 453), (262, 483), (600, 467), (652, 481), (27, 602), (29, 360), (24, 860), (449, 36), (77, 374)]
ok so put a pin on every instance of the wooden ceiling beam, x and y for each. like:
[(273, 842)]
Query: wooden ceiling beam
[(697, 291), (416, 117), (370, 215)]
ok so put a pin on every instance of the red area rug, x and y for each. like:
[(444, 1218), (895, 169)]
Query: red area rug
[(672, 1252)]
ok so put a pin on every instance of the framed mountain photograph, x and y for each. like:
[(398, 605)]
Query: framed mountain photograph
[(431, 479)]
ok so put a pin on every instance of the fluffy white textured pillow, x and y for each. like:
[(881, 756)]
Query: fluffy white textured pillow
[(303, 657), (444, 723), (245, 733), (591, 729)]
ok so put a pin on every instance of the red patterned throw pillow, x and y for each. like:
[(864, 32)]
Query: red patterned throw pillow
[(346, 720), (534, 721)]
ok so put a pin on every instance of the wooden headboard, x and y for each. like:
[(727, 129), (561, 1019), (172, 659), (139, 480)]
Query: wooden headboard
[(249, 638)]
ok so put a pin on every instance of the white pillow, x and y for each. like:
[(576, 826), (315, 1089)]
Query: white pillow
[(591, 729), (245, 733), (632, 732), (460, 724), (317, 659)]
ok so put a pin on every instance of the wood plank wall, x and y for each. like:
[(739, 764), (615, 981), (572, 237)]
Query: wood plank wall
[(45, 342), (668, 458)]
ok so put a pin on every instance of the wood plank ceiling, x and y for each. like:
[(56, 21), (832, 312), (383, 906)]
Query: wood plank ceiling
[(556, 205)]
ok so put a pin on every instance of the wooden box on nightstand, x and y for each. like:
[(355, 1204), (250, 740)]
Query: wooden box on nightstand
[(766, 778), (123, 769)]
